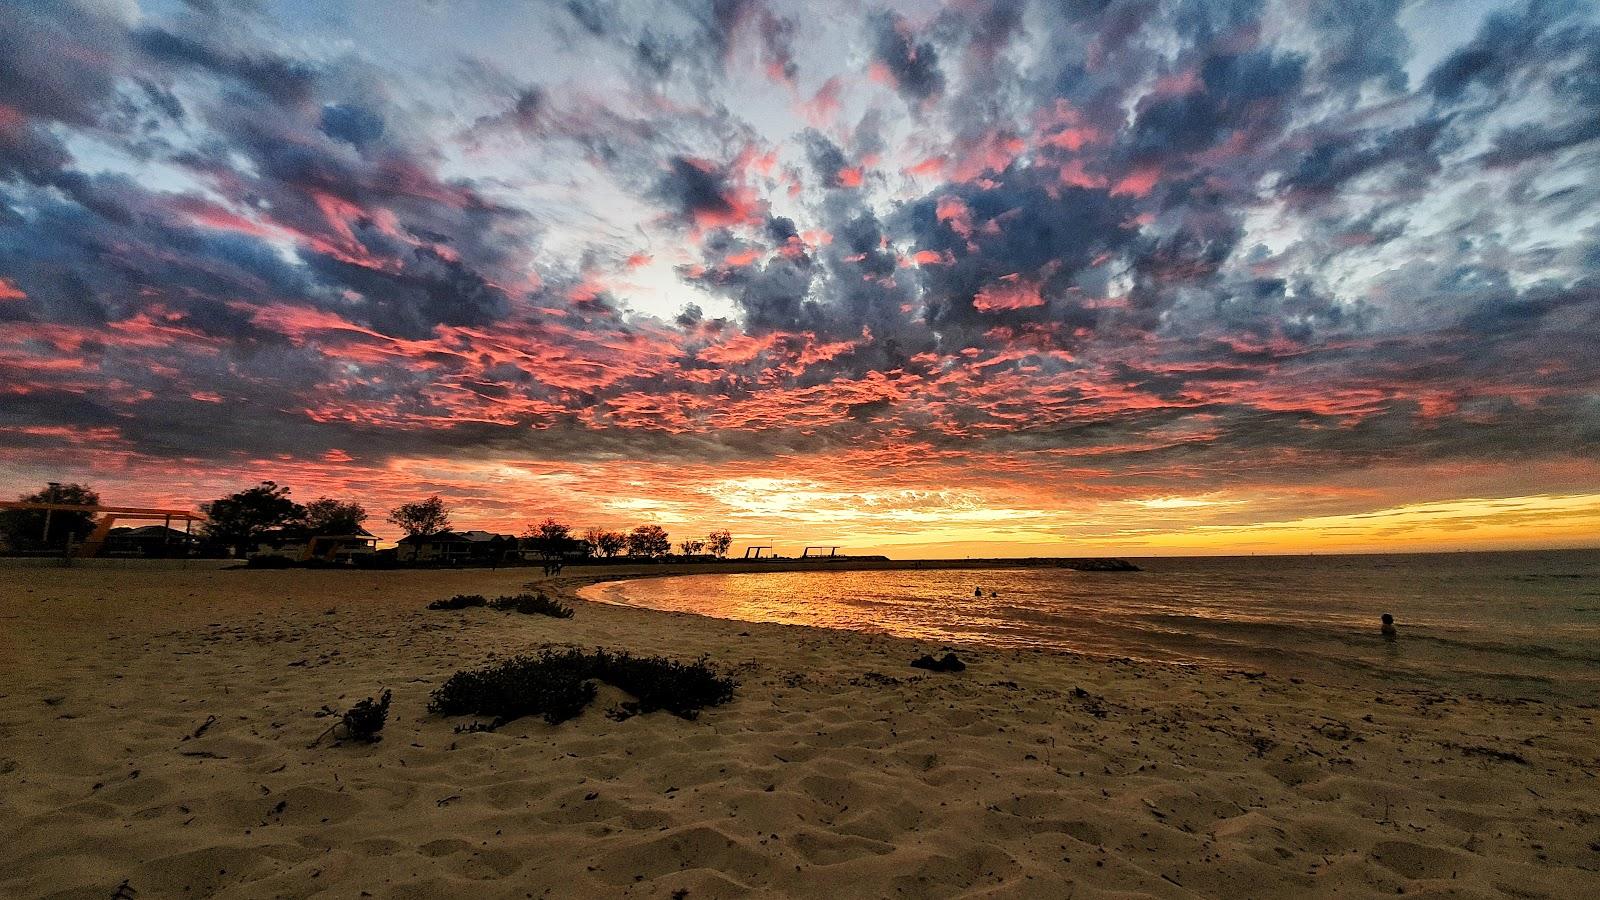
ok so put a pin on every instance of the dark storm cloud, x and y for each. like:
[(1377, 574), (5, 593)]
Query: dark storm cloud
[(106, 253), (1246, 92), (914, 66), (595, 17), (1505, 44), (1577, 89), (430, 290), (1013, 228), (42, 74), (777, 39), (691, 38), (1360, 41), (774, 298), (31, 154), (43, 80), (781, 229), (1336, 158), (353, 124), (827, 160), (696, 189), (284, 80)]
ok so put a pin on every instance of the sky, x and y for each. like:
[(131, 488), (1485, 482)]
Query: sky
[(992, 277)]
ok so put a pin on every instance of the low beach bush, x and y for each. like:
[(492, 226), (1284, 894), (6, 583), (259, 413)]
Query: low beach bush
[(361, 722), (682, 689), (364, 720), (558, 684), (948, 663), (532, 604), (460, 601)]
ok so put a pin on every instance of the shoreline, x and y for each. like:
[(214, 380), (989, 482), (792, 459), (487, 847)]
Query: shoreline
[(837, 770), (1349, 673)]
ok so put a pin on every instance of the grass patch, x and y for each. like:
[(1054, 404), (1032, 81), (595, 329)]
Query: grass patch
[(460, 601), (557, 685), (532, 604)]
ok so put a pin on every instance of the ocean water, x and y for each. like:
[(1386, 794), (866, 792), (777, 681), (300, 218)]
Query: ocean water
[(1523, 624)]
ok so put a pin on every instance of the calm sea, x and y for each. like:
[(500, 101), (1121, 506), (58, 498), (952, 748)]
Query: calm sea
[(1508, 624)]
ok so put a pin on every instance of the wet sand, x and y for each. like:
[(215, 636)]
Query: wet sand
[(837, 770)]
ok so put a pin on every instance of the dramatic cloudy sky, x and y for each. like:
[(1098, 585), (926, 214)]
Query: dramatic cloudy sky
[(995, 276)]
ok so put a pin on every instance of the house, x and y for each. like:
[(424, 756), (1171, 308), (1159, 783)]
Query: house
[(296, 545), (150, 540), (456, 547), (342, 547)]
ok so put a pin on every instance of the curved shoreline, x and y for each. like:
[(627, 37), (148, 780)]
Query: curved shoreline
[(1330, 670), (584, 576)]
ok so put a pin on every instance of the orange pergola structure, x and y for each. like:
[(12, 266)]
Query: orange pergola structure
[(108, 517)]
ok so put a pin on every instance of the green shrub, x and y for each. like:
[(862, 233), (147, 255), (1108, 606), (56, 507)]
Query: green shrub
[(558, 684), (530, 604), (459, 601)]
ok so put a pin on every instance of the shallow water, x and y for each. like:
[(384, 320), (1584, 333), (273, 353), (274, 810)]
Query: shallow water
[(1509, 624)]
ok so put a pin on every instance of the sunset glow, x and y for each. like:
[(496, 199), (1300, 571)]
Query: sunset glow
[(992, 279)]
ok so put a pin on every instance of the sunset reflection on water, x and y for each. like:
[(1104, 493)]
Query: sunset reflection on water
[(1519, 622)]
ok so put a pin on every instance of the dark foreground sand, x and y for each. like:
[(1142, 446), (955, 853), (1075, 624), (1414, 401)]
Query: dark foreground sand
[(837, 770)]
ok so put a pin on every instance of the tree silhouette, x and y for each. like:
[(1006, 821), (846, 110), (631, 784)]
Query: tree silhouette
[(550, 538), (26, 527), (240, 519), (605, 543), (692, 548), (422, 518), (649, 541), (333, 518), (719, 542)]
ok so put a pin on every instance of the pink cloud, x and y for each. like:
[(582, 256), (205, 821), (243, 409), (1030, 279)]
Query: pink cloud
[(1010, 293)]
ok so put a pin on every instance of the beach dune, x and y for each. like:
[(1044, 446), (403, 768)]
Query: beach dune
[(155, 732)]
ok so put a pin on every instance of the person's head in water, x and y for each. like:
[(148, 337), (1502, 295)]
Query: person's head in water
[(1388, 625)]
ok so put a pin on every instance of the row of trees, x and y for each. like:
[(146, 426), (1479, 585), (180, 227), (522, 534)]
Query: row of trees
[(554, 539), (240, 520)]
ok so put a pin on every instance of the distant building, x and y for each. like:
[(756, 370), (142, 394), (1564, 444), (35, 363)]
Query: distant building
[(456, 547), (297, 546), (149, 540)]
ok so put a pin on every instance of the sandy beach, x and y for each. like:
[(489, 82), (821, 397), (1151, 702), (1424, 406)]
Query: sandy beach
[(837, 770)]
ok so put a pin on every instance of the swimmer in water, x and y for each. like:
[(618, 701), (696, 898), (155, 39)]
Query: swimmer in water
[(977, 592), (1388, 629)]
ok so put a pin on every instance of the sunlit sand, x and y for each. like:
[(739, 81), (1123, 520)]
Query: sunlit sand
[(836, 770)]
